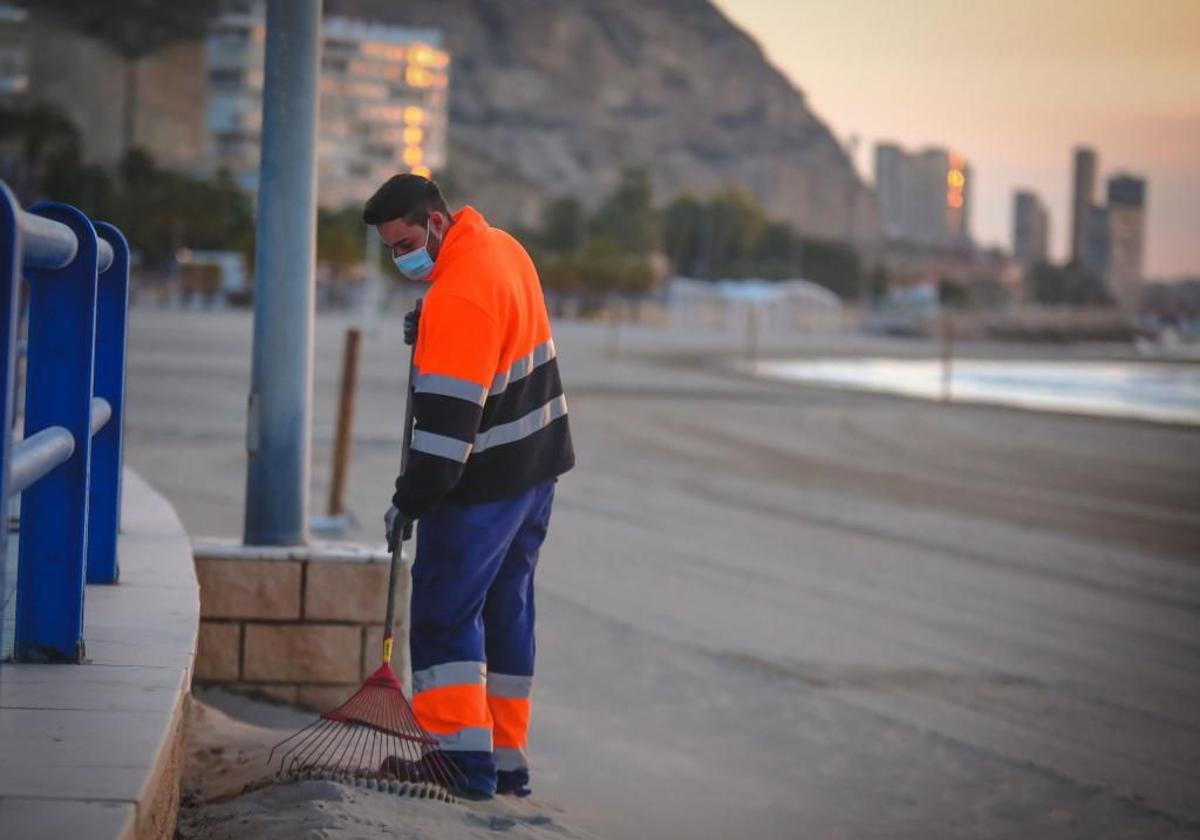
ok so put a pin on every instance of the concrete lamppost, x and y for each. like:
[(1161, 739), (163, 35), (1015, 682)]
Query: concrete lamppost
[(279, 419)]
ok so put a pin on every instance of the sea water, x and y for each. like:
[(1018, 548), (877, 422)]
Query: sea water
[(1146, 390)]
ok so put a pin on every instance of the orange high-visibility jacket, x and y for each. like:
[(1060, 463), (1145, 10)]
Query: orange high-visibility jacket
[(491, 416)]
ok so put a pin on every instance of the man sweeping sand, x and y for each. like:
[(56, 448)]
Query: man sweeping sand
[(490, 439)]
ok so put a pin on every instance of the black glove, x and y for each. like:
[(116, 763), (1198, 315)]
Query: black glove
[(412, 322), (398, 526)]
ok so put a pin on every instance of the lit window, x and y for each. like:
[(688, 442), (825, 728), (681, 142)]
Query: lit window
[(413, 155), (423, 171), (421, 54), (414, 115), (413, 136), (418, 76)]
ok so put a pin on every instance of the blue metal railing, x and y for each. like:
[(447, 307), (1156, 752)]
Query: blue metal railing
[(67, 467)]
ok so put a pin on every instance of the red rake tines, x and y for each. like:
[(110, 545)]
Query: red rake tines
[(373, 739)]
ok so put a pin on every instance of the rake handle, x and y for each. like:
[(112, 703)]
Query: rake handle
[(397, 552)]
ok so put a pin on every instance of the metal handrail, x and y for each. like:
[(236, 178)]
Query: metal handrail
[(35, 456), (74, 274), (50, 245)]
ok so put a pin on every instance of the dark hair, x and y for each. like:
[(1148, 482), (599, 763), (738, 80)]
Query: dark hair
[(409, 197)]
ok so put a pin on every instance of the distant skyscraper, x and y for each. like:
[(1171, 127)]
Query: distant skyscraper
[(1127, 233), (888, 189), (1094, 250), (924, 197), (1031, 229), (383, 103), (1083, 196), (958, 181)]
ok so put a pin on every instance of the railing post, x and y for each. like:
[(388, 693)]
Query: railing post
[(10, 288), (58, 392), (104, 510)]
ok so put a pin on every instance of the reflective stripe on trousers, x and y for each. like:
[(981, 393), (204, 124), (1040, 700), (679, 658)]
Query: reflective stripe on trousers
[(510, 699), (510, 758), (451, 704)]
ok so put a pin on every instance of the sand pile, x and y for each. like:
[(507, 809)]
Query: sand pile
[(228, 795)]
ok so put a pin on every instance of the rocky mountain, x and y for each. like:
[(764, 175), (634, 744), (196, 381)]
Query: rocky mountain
[(555, 97)]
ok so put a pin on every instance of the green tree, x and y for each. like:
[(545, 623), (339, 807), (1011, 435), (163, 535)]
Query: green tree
[(627, 216), (564, 226), (682, 234), (733, 227), (600, 269), (778, 252), (340, 237), (729, 236), (160, 210), (33, 141), (834, 265), (561, 273)]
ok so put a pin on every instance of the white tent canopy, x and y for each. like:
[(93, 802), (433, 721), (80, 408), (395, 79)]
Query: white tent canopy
[(777, 305)]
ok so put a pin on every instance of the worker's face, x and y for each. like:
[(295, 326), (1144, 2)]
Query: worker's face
[(401, 237)]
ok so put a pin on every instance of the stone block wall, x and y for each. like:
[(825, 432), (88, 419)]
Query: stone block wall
[(300, 625)]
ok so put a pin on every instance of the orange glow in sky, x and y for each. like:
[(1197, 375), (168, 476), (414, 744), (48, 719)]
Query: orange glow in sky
[(1013, 85)]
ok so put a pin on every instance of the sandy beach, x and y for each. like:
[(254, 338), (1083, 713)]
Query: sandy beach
[(769, 610)]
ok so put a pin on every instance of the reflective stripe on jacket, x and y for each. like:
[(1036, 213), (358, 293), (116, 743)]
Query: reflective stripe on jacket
[(491, 416)]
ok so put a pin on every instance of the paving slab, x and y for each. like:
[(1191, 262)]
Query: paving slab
[(54, 819), (84, 745), (97, 688)]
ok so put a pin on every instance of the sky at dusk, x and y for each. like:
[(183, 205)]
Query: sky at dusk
[(1014, 85)]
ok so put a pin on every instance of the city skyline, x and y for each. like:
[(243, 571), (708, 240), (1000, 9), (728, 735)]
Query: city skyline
[(1124, 81)]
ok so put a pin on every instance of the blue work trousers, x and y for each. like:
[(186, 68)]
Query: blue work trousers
[(473, 631)]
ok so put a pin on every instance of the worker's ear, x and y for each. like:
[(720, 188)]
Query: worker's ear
[(438, 223)]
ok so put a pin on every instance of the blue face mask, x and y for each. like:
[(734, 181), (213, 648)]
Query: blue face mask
[(416, 264)]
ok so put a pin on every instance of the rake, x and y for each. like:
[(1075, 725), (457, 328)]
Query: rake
[(374, 739)]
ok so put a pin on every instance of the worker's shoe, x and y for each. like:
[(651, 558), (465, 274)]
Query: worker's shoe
[(512, 783), (474, 774)]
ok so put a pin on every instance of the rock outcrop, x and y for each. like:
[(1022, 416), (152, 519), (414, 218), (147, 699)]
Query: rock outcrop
[(555, 98)]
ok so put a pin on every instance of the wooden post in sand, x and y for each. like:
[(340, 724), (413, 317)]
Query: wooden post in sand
[(612, 315), (947, 356), (345, 420), (752, 326)]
